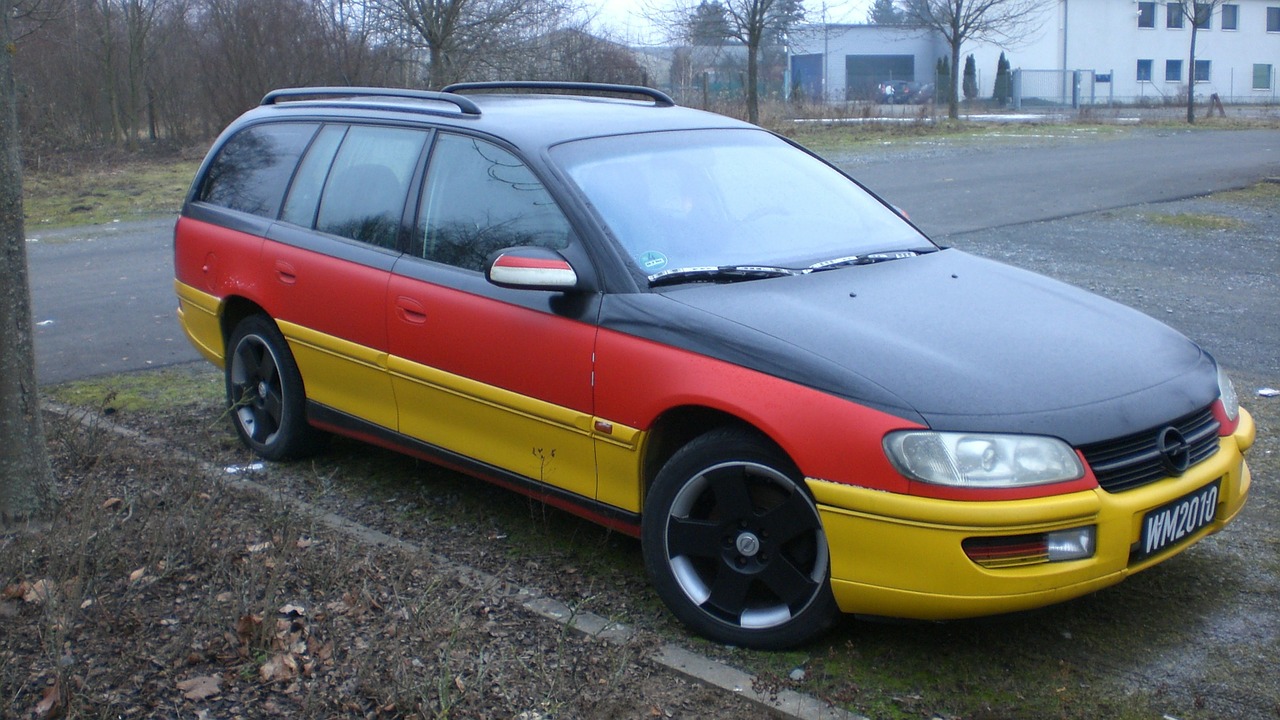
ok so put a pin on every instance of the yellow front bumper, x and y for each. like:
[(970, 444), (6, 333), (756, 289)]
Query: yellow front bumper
[(901, 556)]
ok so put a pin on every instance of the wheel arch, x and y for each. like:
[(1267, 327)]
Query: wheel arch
[(679, 426), (235, 308)]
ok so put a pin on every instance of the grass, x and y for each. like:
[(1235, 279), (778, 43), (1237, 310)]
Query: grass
[(106, 192), (1262, 195), (159, 391), (1208, 222)]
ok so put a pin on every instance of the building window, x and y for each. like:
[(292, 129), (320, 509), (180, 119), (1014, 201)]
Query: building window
[(1262, 77), (1173, 15), (1146, 14), (1202, 71), (1273, 19), (1230, 17), (1204, 16), (1144, 71), (1173, 71)]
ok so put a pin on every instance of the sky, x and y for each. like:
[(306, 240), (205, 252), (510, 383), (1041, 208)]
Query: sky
[(625, 18)]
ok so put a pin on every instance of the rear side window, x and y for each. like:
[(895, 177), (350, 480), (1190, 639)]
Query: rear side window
[(364, 195), (253, 168), (479, 198)]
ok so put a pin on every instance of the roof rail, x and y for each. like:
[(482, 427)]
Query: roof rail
[(659, 98), (464, 105)]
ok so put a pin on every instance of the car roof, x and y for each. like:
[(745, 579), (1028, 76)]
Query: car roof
[(546, 117)]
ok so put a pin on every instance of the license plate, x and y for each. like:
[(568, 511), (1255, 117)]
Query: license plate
[(1167, 525)]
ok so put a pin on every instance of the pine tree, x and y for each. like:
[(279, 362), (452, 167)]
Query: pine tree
[(1003, 87), (970, 78), (883, 12), (945, 86)]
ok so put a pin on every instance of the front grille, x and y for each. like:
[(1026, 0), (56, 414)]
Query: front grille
[(1135, 460)]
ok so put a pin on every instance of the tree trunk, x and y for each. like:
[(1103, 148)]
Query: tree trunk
[(753, 78), (953, 99), (25, 474)]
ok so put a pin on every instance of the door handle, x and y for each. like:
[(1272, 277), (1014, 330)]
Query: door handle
[(285, 273), (410, 310)]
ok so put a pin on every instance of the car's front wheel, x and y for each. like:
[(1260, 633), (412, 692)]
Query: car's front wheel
[(734, 545), (265, 392)]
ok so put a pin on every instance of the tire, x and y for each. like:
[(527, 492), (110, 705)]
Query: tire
[(265, 394), (734, 545)]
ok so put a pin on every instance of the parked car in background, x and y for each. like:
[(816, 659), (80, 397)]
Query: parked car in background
[(696, 332), (897, 92)]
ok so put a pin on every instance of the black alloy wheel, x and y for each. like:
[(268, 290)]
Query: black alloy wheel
[(265, 392), (734, 544)]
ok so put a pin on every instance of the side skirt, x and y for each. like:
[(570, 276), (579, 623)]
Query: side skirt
[(341, 423)]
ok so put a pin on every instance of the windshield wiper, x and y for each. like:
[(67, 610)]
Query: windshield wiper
[(718, 273), (868, 259)]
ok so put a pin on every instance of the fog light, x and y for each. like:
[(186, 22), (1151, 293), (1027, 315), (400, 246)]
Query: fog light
[(1074, 544), (1020, 550)]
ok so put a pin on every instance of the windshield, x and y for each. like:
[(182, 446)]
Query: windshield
[(721, 198)]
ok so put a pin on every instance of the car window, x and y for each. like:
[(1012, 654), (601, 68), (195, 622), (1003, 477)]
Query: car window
[(712, 198), (252, 170), (365, 192), (304, 195), (479, 198)]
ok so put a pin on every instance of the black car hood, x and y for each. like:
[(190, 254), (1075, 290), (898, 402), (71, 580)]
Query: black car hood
[(947, 339)]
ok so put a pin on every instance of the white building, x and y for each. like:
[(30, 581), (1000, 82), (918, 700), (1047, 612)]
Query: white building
[(1141, 47)]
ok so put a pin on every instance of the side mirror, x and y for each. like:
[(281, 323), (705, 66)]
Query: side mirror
[(531, 268)]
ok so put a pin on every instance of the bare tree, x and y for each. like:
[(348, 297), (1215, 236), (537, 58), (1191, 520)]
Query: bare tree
[(1199, 14), (958, 21), (464, 37), (754, 23), (26, 477)]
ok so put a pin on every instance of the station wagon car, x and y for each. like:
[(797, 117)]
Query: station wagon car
[(696, 332)]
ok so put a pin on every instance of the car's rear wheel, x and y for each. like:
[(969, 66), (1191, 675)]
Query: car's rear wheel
[(734, 544), (265, 392)]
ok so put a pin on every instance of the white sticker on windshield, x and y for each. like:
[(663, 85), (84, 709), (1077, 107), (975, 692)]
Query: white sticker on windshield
[(652, 261)]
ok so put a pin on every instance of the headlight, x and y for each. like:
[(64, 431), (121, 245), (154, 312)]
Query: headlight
[(1227, 394), (982, 460)]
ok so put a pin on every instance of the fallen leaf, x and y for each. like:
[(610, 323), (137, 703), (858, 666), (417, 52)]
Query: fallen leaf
[(279, 667), (51, 702), (113, 503), (201, 688), (136, 575), (259, 547), (15, 591), (292, 609), (39, 592)]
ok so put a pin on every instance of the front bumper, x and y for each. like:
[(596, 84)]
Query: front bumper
[(901, 556)]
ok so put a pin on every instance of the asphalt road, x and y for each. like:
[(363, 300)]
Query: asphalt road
[(103, 296)]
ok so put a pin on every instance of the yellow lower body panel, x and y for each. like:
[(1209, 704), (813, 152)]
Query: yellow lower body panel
[(901, 556), (343, 375), (199, 314), (514, 432)]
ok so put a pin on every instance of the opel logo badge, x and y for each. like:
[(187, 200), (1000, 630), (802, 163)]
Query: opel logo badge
[(1175, 452)]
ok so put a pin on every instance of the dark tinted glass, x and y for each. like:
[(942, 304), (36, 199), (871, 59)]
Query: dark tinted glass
[(480, 198), (365, 193), (253, 168), (304, 195)]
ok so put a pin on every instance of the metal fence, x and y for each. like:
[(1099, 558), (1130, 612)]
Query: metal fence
[(1055, 88)]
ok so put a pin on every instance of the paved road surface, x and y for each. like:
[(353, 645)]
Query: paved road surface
[(103, 296)]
